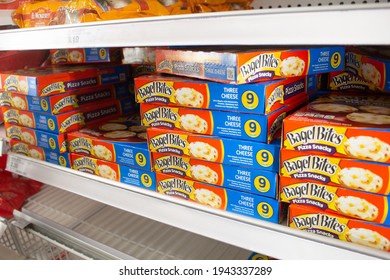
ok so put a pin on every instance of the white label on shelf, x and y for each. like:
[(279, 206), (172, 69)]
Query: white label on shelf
[(2, 147), (16, 165)]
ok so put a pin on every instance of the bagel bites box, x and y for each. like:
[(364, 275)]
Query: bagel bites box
[(243, 66), (69, 121), (45, 81), (84, 55), (335, 171), (259, 128), (370, 65), (342, 124), (49, 141), (343, 201), (114, 171), (39, 153), (65, 102), (242, 203), (360, 232), (120, 140), (215, 149), (255, 181), (256, 98)]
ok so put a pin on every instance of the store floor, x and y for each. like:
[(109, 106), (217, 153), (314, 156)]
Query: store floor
[(7, 254)]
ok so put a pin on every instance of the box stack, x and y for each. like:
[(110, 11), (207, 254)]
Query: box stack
[(335, 161), (215, 140), (115, 150), (41, 105)]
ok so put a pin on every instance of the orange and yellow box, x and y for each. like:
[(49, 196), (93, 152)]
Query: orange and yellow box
[(248, 65), (346, 81), (342, 124), (335, 171), (347, 202), (49, 141), (39, 153), (251, 127), (120, 140), (338, 227), (256, 98), (230, 151), (68, 121), (242, 203), (45, 81), (65, 102), (370, 65), (255, 181), (84, 55), (114, 171)]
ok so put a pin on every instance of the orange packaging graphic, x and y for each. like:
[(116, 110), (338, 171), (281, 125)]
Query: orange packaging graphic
[(49, 141), (215, 149), (242, 66), (65, 102), (86, 55), (114, 172), (256, 98), (52, 80), (370, 66), (243, 203), (120, 140), (64, 122), (39, 153), (335, 226), (347, 202), (348, 173), (342, 124), (255, 181), (347, 81)]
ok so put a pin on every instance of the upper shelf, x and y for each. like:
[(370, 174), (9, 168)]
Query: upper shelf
[(275, 240), (314, 25)]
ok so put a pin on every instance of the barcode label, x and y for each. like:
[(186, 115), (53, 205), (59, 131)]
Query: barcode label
[(230, 73)]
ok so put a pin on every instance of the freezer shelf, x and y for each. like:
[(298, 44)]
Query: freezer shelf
[(109, 227), (267, 238), (313, 24)]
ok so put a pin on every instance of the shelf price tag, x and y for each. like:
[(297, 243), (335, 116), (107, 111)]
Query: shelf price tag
[(2, 147), (73, 39), (16, 165)]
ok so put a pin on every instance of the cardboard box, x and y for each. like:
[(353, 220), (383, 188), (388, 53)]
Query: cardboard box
[(342, 124), (65, 102), (249, 154), (257, 98), (334, 226), (346, 202), (346, 81), (254, 181), (39, 153), (370, 66), (84, 55), (69, 121), (259, 128), (237, 202), (115, 172), (50, 141), (118, 140), (349, 173), (52, 80), (242, 66)]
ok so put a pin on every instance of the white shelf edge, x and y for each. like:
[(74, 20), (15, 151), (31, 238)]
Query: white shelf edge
[(267, 238), (285, 26)]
